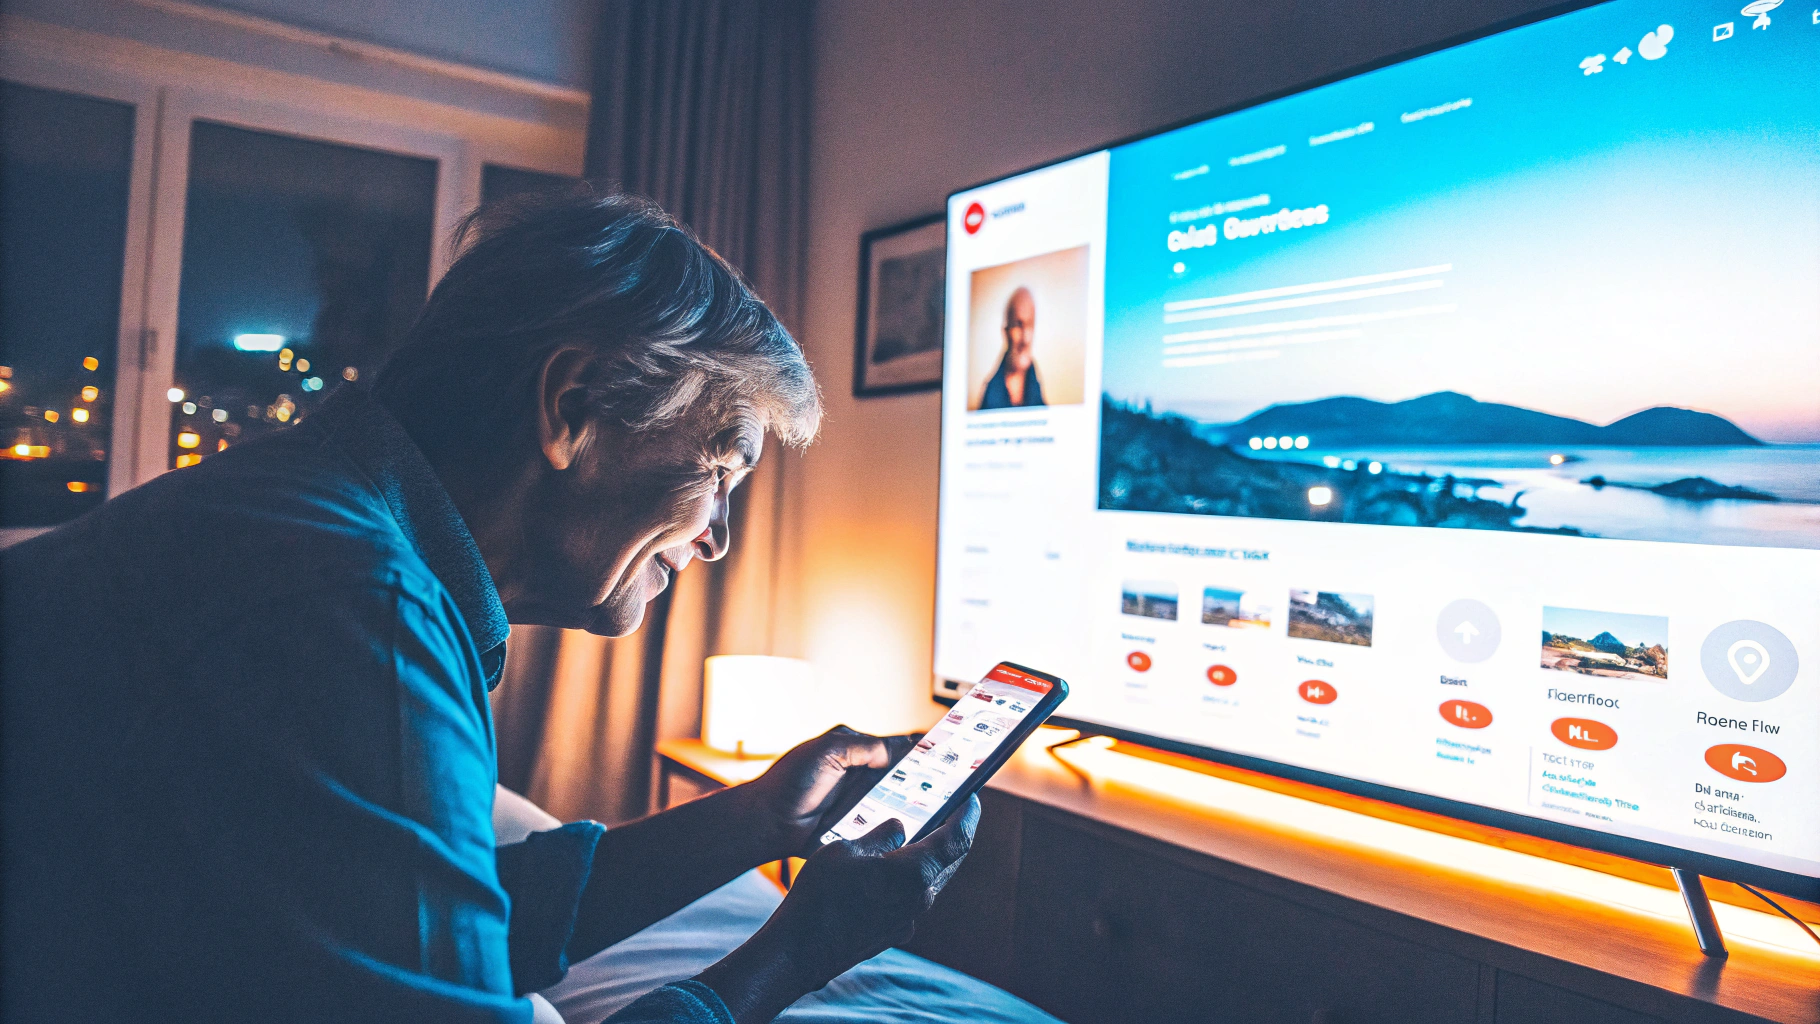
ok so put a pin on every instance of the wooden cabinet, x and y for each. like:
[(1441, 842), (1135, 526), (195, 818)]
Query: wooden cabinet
[(1098, 926), (1522, 1001), (1143, 939)]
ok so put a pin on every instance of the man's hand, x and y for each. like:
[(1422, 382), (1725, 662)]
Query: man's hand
[(853, 900), (811, 788)]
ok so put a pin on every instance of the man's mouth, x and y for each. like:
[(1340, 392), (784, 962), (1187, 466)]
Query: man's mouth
[(669, 571)]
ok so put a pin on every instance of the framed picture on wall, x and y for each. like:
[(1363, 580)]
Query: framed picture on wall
[(902, 271)]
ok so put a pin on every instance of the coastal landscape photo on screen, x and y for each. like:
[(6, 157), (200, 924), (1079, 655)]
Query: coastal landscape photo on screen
[(1579, 305)]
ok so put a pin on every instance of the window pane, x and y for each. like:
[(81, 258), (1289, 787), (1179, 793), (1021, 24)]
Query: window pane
[(65, 170), (304, 262), (498, 181)]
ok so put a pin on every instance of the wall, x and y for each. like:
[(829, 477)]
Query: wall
[(915, 100)]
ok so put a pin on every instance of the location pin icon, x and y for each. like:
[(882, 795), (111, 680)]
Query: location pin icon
[(1749, 659)]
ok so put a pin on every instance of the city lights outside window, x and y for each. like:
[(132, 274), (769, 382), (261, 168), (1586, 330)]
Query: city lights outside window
[(188, 439), (90, 363), (258, 342), (1318, 496), (90, 393), (175, 395), (79, 415), (52, 415)]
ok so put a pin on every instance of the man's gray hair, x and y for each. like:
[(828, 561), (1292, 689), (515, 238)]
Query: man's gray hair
[(674, 323)]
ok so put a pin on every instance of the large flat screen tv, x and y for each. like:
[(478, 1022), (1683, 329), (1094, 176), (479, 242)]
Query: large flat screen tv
[(1446, 432)]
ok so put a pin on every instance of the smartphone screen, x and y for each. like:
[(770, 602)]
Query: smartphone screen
[(997, 711)]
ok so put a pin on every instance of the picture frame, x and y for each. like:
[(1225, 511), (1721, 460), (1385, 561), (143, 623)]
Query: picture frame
[(898, 339)]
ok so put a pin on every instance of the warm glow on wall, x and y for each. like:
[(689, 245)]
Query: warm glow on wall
[(871, 645), (758, 705)]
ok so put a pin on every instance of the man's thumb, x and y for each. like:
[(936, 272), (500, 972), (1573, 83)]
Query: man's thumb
[(888, 835)]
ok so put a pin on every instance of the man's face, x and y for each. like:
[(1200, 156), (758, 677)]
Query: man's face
[(614, 530), (1020, 330)]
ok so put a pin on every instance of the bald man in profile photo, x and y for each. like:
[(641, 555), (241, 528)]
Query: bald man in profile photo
[(1016, 384)]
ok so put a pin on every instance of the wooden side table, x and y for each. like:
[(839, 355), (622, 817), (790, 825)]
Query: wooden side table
[(703, 769)]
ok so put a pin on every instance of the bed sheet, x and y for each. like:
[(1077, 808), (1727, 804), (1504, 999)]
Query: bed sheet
[(894, 987)]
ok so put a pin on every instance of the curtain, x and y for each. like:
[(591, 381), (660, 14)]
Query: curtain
[(703, 106)]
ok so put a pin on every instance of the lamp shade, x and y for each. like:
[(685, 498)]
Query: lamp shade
[(754, 704)]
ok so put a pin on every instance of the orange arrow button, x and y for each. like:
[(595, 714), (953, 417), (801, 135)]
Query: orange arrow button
[(1314, 691), (1584, 733), (1466, 714), (1746, 764)]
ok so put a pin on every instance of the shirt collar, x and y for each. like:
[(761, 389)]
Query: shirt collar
[(377, 443)]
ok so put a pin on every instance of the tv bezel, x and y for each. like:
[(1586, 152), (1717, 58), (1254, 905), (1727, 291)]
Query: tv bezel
[(1724, 868)]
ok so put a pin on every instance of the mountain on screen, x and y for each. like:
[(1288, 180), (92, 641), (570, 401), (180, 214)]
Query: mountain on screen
[(1450, 418)]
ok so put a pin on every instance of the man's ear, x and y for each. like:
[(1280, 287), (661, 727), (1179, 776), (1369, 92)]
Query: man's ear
[(565, 425)]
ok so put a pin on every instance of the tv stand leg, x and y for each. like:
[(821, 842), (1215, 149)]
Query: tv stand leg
[(1700, 911)]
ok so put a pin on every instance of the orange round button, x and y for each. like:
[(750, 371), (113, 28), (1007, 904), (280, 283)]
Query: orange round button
[(1138, 660), (1744, 763), (1466, 714), (1220, 675), (1584, 733), (1314, 691)]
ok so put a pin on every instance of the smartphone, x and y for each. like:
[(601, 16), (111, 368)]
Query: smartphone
[(977, 736)]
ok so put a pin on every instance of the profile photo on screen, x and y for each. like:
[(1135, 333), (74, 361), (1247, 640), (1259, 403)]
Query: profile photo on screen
[(1025, 332)]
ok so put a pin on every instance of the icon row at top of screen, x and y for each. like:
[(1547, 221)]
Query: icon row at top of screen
[(1743, 659)]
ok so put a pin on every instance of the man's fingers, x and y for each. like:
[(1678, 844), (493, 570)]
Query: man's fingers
[(848, 748), (885, 837)]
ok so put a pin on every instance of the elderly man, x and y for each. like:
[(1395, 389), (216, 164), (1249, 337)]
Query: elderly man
[(249, 763), (1016, 384)]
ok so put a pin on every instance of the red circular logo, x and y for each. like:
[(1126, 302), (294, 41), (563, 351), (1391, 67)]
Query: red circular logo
[(1138, 660), (976, 216), (1220, 675)]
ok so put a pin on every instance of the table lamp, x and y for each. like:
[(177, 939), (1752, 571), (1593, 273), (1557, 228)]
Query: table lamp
[(755, 705)]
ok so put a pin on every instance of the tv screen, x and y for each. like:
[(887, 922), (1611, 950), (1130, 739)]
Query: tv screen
[(1448, 432)]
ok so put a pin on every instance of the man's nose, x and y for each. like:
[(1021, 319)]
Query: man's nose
[(711, 543)]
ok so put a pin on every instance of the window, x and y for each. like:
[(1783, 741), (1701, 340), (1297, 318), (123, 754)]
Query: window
[(196, 252), (304, 262), (65, 170)]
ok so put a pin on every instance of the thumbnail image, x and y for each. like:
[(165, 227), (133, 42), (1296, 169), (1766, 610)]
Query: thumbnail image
[(1604, 643), (1027, 332), (1151, 600), (1335, 618), (1234, 608)]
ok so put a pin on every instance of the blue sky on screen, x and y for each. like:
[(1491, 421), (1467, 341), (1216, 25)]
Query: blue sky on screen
[(1645, 235), (1584, 624)]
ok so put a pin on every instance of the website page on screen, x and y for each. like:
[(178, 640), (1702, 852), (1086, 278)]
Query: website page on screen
[(947, 755), (1454, 427)]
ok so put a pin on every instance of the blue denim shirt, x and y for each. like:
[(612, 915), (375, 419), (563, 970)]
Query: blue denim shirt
[(249, 760)]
